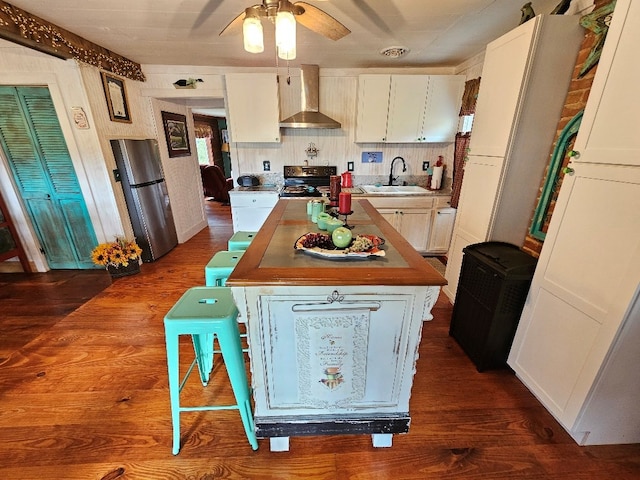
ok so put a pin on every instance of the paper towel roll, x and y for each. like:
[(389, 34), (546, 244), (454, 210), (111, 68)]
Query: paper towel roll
[(436, 178)]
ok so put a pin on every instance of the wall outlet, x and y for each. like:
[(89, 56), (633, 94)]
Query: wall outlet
[(266, 165), (116, 175), (425, 166), (350, 166)]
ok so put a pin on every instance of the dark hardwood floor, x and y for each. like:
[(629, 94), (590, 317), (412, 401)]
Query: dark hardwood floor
[(83, 392)]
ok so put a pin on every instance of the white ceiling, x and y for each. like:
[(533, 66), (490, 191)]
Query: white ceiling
[(185, 32)]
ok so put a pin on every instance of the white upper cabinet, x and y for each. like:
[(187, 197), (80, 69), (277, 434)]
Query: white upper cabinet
[(600, 140), (253, 107), (373, 107), (504, 71), (442, 108), (408, 108)]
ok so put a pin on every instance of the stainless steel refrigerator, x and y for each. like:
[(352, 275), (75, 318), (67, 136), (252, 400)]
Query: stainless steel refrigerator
[(140, 174)]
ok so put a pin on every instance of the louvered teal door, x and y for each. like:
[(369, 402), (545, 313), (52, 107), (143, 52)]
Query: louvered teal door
[(32, 140)]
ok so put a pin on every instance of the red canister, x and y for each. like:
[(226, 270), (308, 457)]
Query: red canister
[(347, 180), (334, 190), (344, 206)]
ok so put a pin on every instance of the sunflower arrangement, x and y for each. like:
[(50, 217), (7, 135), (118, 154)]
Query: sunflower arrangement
[(117, 253)]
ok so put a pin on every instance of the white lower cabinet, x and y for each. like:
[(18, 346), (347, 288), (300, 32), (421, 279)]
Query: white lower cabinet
[(249, 210), (412, 223), (410, 216), (474, 215), (426, 222), (576, 347), (442, 220)]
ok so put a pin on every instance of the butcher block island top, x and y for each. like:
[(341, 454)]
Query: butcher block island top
[(272, 259), (333, 344)]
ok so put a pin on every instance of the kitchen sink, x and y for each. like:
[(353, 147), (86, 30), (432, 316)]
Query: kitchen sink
[(394, 190)]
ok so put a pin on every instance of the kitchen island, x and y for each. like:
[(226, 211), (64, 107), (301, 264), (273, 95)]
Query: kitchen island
[(333, 343)]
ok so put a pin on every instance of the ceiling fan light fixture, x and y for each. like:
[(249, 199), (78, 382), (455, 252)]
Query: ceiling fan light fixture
[(252, 32), (287, 54), (286, 33), (285, 15), (394, 52)]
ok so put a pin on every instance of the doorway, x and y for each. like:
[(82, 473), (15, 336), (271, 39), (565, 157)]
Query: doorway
[(32, 141), (211, 133)]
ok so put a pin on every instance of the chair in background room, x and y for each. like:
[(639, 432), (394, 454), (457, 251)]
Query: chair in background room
[(214, 183)]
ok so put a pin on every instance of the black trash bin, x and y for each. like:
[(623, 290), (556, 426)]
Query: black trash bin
[(493, 286)]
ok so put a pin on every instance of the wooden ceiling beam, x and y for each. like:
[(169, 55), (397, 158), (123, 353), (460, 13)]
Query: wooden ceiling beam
[(20, 26)]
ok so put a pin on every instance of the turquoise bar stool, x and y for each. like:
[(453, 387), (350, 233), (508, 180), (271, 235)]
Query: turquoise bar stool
[(220, 267), (218, 270), (203, 313), (241, 240)]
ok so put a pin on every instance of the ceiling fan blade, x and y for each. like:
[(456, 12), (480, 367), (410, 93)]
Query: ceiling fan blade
[(233, 27), (320, 22), (207, 11)]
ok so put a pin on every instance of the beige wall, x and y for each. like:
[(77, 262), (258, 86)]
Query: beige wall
[(182, 175)]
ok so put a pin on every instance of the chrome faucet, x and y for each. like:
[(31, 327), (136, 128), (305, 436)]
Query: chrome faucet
[(404, 169)]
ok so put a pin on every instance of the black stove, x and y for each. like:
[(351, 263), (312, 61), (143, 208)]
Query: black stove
[(307, 181)]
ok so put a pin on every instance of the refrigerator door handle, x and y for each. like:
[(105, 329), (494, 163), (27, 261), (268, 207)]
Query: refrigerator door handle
[(146, 184)]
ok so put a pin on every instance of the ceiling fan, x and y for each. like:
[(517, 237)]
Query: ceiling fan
[(285, 15)]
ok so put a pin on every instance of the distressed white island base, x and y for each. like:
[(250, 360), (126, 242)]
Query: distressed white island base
[(333, 344)]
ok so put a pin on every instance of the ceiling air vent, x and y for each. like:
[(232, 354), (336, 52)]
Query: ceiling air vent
[(394, 52)]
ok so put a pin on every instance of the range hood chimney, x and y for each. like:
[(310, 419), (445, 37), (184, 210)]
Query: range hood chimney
[(310, 116)]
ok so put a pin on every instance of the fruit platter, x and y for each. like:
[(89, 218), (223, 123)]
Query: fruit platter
[(341, 246)]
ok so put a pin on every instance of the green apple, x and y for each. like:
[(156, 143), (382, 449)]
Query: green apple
[(341, 237)]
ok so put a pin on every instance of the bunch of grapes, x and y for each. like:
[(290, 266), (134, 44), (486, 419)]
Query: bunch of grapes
[(360, 244), (320, 240)]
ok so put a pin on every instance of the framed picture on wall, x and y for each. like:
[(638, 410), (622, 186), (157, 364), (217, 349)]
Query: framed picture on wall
[(116, 95), (175, 131)]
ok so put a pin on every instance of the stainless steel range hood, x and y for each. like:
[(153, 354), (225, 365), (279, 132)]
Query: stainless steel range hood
[(310, 116)]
